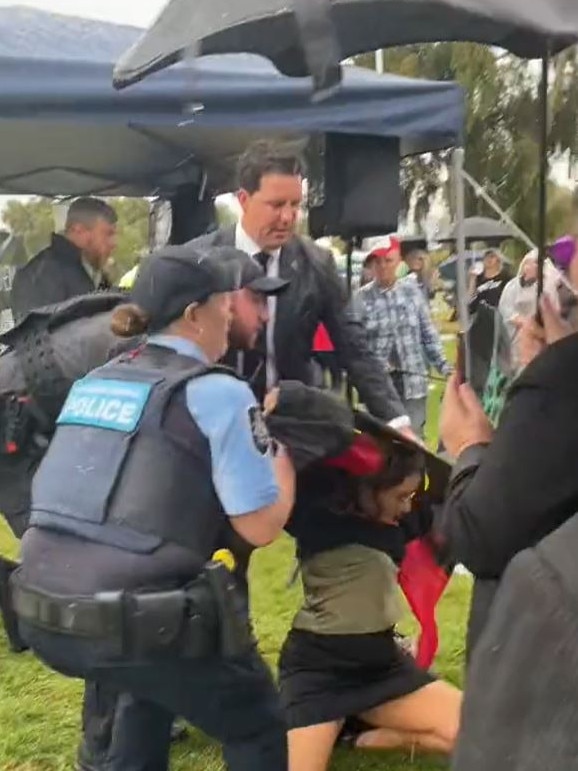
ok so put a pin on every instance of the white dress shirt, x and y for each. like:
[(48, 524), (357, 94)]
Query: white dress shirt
[(246, 244)]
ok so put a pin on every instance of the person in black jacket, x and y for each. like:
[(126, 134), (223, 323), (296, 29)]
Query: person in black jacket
[(270, 195), (74, 262), (512, 487)]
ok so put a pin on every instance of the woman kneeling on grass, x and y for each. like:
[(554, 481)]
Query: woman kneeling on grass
[(343, 676)]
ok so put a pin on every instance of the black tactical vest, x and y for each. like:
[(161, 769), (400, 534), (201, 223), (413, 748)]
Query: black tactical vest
[(128, 466)]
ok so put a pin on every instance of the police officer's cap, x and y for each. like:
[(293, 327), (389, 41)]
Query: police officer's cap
[(171, 279), (253, 275)]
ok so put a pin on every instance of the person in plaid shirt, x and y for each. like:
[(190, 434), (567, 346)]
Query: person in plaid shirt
[(400, 330)]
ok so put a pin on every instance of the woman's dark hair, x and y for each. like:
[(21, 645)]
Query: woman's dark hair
[(129, 320), (400, 462)]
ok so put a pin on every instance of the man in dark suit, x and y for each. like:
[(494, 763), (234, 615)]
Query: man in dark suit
[(270, 196), (74, 262)]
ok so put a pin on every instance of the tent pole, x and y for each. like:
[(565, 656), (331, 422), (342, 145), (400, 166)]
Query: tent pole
[(349, 275), (349, 265), (461, 274), (479, 191), (543, 173)]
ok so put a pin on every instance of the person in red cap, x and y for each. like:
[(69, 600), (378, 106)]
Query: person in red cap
[(400, 329)]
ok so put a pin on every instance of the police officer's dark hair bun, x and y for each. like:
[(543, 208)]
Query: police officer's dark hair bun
[(129, 320)]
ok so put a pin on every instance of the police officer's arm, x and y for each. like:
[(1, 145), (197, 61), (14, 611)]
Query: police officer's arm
[(262, 526), (256, 489)]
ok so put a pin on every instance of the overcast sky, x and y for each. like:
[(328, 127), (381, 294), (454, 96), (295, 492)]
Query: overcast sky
[(138, 12)]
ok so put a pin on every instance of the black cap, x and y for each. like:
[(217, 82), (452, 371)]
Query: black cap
[(171, 279), (252, 274)]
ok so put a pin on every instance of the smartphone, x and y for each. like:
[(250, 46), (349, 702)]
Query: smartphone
[(461, 358)]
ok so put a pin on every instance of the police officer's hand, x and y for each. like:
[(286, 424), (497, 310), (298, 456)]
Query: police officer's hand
[(463, 422)]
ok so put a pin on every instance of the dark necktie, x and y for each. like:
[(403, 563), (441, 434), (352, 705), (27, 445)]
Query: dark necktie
[(255, 361), (263, 259)]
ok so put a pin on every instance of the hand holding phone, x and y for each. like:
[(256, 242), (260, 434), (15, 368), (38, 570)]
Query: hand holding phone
[(461, 358)]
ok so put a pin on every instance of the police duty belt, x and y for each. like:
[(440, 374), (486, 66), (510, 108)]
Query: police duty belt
[(199, 620)]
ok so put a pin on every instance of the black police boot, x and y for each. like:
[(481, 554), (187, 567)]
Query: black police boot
[(98, 719), (9, 618)]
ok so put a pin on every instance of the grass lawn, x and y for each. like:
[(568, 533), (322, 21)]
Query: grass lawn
[(40, 711)]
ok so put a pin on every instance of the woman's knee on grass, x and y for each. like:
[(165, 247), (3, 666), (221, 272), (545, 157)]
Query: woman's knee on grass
[(432, 710)]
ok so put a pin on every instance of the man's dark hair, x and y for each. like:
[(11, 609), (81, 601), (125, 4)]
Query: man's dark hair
[(265, 157), (84, 211)]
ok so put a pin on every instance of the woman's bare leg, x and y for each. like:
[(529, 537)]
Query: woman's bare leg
[(388, 739), (427, 720), (310, 748)]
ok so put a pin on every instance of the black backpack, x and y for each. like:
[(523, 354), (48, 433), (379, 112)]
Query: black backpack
[(45, 353)]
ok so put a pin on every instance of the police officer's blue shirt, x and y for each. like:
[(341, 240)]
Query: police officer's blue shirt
[(226, 412)]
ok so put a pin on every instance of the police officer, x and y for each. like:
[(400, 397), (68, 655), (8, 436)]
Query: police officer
[(155, 454), (121, 733)]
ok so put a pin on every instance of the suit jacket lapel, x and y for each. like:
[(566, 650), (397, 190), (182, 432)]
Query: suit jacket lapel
[(289, 270)]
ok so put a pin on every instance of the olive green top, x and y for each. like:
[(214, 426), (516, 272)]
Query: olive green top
[(349, 590)]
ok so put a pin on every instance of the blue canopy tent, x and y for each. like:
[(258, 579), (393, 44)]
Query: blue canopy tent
[(64, 130)]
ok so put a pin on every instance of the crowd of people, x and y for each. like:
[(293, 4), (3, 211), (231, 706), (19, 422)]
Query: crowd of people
[(171, 463)]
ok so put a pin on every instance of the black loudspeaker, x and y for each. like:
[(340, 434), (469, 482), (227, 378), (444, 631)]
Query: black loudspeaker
[(354, 185)]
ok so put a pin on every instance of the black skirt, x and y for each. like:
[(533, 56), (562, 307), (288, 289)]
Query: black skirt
[(324, 678)]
